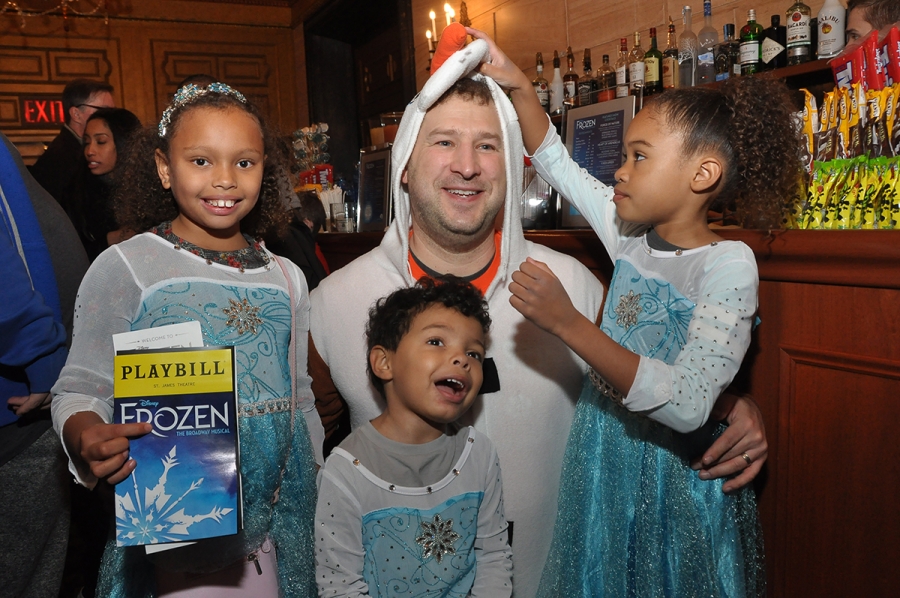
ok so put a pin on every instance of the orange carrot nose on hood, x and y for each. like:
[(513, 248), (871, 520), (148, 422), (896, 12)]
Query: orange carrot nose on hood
[(453, 39)]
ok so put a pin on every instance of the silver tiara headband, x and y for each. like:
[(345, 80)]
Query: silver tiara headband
[(191, 92)]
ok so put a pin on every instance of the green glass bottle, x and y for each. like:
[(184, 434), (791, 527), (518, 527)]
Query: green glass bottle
[(751, 39), (653, 67)]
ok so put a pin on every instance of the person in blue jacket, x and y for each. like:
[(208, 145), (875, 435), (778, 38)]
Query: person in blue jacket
[(36, 242)]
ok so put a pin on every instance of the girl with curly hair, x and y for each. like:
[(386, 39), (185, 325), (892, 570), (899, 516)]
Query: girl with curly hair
[(207, 183), (633, 518)]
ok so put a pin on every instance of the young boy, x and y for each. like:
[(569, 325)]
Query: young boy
[(408, 505)]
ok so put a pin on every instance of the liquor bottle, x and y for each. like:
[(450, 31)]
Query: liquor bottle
[(622, 69), (687, 52), (799, 34), (751, 33), (707, 40), (556, 87), (670, 59), (727, 55), (636, 66), (653, 67), (830, 25), (773, 50), (541, 87), (570, 80), (606, 81), (587, 85)]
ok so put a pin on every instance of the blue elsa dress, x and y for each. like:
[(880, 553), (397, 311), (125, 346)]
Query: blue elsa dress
[(633, 519)]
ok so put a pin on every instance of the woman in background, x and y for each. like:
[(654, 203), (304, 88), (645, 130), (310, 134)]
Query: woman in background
[(107, 136)]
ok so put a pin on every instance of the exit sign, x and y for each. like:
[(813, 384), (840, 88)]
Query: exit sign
[(42, 111)]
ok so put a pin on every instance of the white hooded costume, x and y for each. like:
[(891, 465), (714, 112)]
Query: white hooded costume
[(528, 419)]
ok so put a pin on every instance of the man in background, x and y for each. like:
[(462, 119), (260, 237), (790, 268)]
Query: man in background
[(865, 15), (57, 166)]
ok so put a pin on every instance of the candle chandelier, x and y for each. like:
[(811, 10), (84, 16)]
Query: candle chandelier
[(64, 8)]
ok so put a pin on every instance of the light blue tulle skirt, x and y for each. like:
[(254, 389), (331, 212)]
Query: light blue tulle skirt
[(635, 521)]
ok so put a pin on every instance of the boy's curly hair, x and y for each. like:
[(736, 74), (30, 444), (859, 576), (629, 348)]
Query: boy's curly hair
[(391, 316), (142, 202), (750, 123)]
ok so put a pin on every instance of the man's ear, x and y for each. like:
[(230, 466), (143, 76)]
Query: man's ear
[(707, 174), (404, 178), (380, 362), (74, 114), (162, 169)]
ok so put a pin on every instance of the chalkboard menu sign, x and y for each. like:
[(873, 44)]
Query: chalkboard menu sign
[(594, 137), (374, 208)]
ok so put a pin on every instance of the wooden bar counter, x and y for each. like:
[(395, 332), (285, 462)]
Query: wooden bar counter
[(825, 369)]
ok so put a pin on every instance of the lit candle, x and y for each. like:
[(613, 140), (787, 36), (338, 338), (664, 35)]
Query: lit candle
[(447, 12), (452, 16), (430, 42), (433, 26)]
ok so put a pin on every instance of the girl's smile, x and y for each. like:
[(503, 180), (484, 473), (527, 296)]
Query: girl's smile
[(214, 168)]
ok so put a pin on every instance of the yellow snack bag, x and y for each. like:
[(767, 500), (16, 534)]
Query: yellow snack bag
[(842, 97), (841, 206), (864, 214), (888, 194), (857, 120), (809, 124), (826, 176), (825, 149)]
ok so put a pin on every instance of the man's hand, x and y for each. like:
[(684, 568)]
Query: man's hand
[(22, 405), (741, 449)]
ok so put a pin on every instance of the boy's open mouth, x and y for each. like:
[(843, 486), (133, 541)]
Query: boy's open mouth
[(452, 387)]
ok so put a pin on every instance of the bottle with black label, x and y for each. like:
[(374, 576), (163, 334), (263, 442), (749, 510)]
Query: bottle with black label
[(799, 33), (728, 55), (587, 85), (774, 45), (570, 80), (606, 81), (541, 87), (670, 59)]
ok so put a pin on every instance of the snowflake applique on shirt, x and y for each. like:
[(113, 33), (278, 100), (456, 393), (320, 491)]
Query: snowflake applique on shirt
[(242, 316), (628, 309), (437, 538)]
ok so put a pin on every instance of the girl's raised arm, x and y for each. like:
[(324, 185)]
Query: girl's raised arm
[(532, 117)]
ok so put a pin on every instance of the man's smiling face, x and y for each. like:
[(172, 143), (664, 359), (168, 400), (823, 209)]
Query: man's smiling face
[(456, 174)]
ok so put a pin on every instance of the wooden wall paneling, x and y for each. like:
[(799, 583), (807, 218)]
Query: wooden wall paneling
[(842, 473), (824, 371), (300, 86), (40, 66), (253, 67), (252, 45)]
